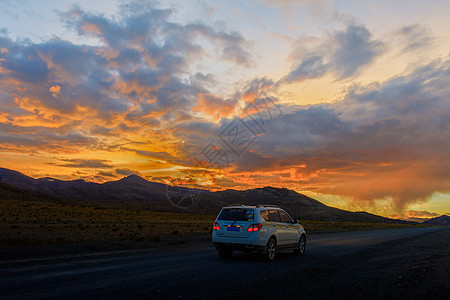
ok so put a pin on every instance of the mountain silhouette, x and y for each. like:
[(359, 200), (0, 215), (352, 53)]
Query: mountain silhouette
[(442, 220), (135, 192)]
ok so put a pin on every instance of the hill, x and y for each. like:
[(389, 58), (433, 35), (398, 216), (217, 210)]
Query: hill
[(298, 205), (138, 193), (129, 192), (10, 192), (442, 220)]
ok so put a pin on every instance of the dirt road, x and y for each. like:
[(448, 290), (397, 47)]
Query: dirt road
[(393, 263)]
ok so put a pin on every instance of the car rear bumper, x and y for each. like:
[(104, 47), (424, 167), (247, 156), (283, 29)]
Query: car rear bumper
[(239, 246)]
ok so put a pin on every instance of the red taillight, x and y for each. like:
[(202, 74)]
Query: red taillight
[(254, 227), (216, 226)]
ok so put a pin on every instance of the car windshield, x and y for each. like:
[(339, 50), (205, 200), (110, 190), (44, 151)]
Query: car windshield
[(236, 214)]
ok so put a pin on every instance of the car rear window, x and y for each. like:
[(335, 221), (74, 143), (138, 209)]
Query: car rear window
[(236, 214), (264, 214)]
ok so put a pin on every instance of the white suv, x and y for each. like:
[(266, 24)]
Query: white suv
[(264, 228)]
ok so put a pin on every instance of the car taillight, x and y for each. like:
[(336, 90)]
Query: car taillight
[(216, 226), (254, 227)]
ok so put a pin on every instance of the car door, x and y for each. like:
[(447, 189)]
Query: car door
[(275, 220), (290, 230)]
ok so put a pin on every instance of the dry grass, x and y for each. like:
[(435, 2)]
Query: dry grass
[(33, 223), (25, 223)]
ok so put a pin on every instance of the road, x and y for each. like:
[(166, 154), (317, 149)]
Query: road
[(187, 272)]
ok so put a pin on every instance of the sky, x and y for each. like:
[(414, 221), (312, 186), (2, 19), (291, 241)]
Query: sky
[(344, 101)]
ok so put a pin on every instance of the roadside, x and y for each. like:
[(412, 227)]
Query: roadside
[(163, 243)]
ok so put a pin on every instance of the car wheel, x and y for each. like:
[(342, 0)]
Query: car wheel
[(225, 253), (301, 247), (271, 249)]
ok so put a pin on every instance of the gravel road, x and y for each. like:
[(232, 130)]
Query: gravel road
[(370, 264)]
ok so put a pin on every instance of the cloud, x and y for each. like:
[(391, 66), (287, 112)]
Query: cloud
[(414, 37), (215, 106), (383, 143), (106, 174), (343, 53), (415, 215), (256, 88), (54, 90), (157, 155), (421, 214), (289, 7), (136, 79), (26, 139), (84, 163), (127, 172)]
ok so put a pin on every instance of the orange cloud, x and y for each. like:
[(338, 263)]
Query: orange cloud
[(91, 28), (415, 215), (55, 90), (251, 95), (215, 106), (2, 50)]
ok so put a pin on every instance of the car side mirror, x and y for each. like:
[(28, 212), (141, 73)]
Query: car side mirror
[(295, 221)]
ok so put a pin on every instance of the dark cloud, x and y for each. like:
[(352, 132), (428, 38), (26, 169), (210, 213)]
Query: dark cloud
[(106, 174), (303, 130), (82, 75), (354, 50), (26, 65), (158, 155), (309, 67), (127, 172), (383, 141), (136, 74), (184, 159), (415, 37), (235, 53), (27, 139), (343, 53), (256, 88), (203, 82), (85, 163)]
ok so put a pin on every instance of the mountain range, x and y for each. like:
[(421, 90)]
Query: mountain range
[(442, 220), (135, 192)]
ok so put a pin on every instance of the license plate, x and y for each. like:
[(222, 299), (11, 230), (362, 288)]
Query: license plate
[(232, 228)]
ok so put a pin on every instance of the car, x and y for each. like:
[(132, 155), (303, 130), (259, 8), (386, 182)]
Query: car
[(263, 228)]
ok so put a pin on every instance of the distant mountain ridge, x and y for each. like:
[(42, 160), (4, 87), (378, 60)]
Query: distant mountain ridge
[(442, 220), (137, 193)]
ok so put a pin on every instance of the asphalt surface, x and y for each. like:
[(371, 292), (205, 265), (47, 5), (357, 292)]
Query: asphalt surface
[(182, 272)]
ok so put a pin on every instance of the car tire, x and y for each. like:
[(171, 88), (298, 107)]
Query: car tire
[(225, 253), (271, 250), (301, 246)]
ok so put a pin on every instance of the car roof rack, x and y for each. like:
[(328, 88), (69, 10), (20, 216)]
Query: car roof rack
[(267, 205), (247, 205)]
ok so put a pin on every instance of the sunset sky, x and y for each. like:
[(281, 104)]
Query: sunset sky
[(345, 101)]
